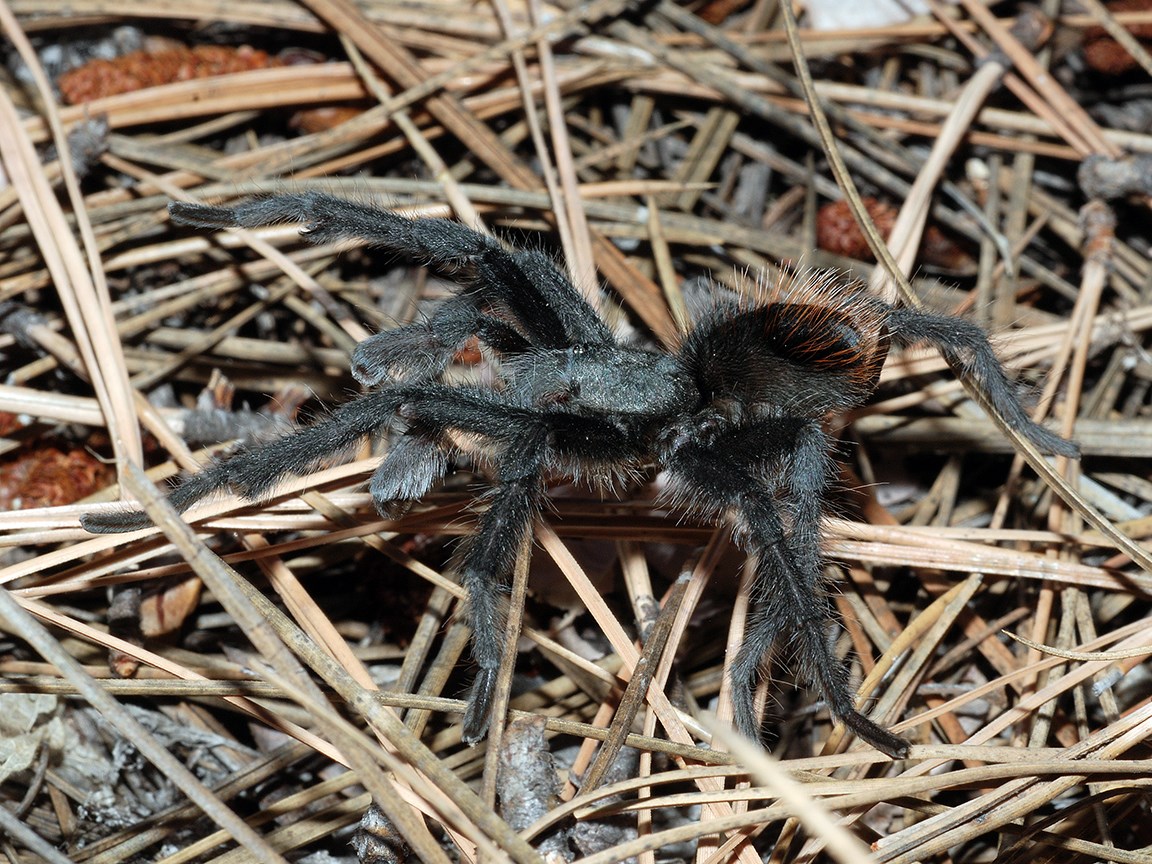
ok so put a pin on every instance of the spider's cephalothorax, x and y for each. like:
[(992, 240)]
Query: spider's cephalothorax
[(734, 418)]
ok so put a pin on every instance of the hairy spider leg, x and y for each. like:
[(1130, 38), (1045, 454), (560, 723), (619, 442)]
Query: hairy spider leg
[(809, 472), (734, 466), (488, 559), (523, 285), (417, 460), (255, 473), (796, 609), (963, 343), (529, 443), (421, 351)]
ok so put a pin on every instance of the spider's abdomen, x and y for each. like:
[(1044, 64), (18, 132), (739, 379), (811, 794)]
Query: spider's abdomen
[(808, 350), (816, 337)]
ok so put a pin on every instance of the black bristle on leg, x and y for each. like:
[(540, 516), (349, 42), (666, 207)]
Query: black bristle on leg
[(201, 215), (255, 473)]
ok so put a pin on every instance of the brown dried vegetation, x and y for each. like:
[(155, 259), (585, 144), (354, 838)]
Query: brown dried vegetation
[(137, 70), (292, 661)]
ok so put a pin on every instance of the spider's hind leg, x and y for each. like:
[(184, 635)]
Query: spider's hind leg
[(736, 468), (963, 343), (800, 611)]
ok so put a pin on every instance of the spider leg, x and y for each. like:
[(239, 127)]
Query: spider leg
[(525, 285), (529, 442), (415, 463), (487, 561), (254, 473), (422, 351), (964, 343), (797, 607), (487, 558), (788, 599)]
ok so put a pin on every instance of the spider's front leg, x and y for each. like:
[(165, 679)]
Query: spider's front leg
[(523, 287), (735, 467), (255, 473)]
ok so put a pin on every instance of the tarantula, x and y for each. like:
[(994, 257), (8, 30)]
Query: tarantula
[(733, 416)]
